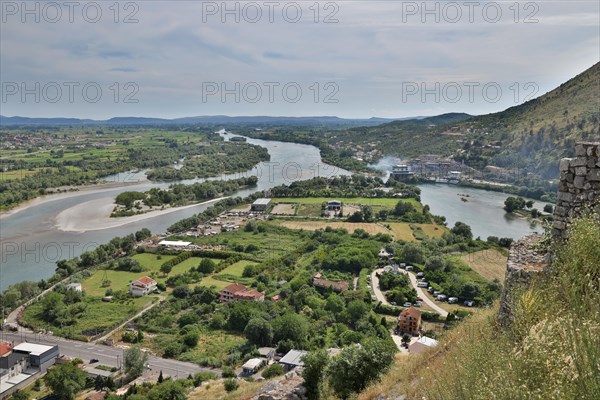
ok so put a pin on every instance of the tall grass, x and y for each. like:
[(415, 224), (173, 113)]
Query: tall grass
[(551, 351)]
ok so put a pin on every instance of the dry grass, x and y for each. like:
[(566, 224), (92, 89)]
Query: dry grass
[(490, 264), (370, 228), (284, 209), (402, 231), (215, 390), (433, 230)]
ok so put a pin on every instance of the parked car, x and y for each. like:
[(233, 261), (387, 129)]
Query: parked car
[(422, 284), (409, 268), (420, 274), (452, 300), (402, 265), (436, 292), (407, 304), (418, 304), (94, 360), (441, 297), (430, 289), (469, 303)]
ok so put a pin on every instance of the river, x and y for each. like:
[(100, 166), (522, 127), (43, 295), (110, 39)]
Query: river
[(31, 243)]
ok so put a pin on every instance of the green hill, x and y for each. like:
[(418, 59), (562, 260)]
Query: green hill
[(533, 135)]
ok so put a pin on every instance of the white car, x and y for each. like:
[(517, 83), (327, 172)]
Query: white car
[(422, 284), (407, 304)]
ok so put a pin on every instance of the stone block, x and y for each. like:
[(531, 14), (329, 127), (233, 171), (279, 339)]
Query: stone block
[(580, 171), (580, 150), (565, 196), (564, 164), (594, 175), (559, 225), (578, 162), (578, 182)]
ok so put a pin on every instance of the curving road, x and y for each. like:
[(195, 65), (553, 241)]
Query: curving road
[(413, 281)]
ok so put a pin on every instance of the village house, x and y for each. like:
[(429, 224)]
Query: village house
[(409, 321), (237, 291), (142, 286), (334, 205), (261, 205), (337, 286)]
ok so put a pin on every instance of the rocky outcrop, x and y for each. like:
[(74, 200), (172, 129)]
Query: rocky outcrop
[(578, 189), (579, 186), (288, 387)]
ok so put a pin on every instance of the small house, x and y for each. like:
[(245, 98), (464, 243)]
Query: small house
[(334, 205), (142, 286), (422, 344), (293, 359), (268, 353), (251, 366), (261, 205), (237, 291)]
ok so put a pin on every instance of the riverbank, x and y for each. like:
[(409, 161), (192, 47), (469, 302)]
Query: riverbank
[(94, 215), (69, 193)]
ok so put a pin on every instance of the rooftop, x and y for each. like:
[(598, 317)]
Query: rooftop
[(293, 357), (174, 243), (264, 201), (410, 312), (32, 348), (427, 341), (235, 287), (145, 280), (252, 363)]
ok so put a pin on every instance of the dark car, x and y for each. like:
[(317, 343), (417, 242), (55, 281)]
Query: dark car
[(94, 360)]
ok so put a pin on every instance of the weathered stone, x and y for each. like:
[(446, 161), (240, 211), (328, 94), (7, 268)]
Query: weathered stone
[(558, 224), (565, 196), (580, 150), (578, 162), (593, 175), (564, 164), (580, 171)]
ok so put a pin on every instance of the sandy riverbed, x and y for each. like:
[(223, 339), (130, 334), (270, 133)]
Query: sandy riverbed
[(95, 215), (81, 190)]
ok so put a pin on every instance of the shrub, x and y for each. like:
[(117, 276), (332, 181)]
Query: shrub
[(231, 385), (228, 372), (272, 371)]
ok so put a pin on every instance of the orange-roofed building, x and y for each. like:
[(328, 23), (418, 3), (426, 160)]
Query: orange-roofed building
[(409, 321), (5, 348), (237, 291), (142, 286)]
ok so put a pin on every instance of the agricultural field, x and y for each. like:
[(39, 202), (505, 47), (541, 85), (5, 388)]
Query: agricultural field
[(490, 263), (402, 231), (370, 228), (284, 209)]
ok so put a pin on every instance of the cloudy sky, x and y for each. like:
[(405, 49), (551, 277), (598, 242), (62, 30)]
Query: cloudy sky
[(347, 58)]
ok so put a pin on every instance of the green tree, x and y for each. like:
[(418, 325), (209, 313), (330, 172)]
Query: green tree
[(315, 363), (435, 263), (335, 304), (292, 327), (65, 380), (20, 395), (273, 370), (259, 331), (548, 208), (206, 266), (412, 253), (356, 367), (403, 207), (191, 338), (462, 229), (166, 268), (168, 390), (135, 361)]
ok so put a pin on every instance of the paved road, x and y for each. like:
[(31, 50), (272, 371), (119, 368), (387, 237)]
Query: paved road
[(375, 284), (426, 300), (413, 281), (112, 356)]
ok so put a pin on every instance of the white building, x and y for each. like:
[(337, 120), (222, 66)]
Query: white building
[(422, 344), (174, 243), (142, 286)]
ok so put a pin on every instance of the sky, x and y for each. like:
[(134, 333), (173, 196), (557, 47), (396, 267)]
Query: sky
[(352, 59)]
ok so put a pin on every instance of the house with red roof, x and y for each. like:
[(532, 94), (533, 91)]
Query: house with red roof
[(142, 286), (409, 321), (237, 291)]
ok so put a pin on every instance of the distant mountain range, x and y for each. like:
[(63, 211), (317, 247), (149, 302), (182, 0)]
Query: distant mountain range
[(206, 120)]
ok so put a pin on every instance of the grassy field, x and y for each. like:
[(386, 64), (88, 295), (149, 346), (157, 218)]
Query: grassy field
[(97, 317), (433, 230), (489, 263), (309, 210)]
